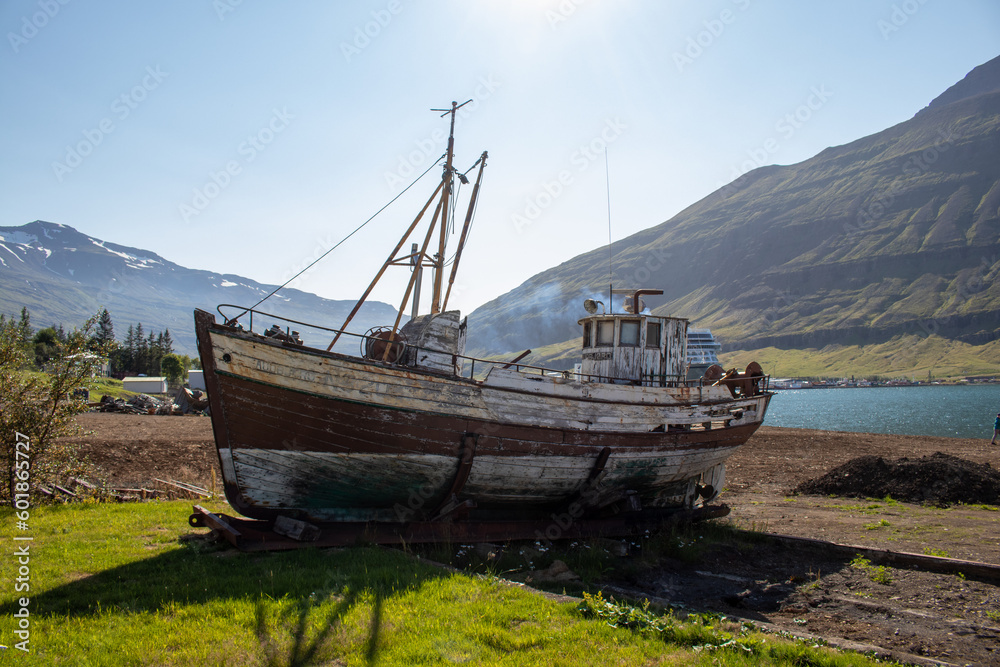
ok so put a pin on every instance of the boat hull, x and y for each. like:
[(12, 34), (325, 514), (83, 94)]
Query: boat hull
[(329, 438)]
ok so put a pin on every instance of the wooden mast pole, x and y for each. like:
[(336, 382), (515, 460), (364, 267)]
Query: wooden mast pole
[(449, 177), (465, 229), (444, 187)]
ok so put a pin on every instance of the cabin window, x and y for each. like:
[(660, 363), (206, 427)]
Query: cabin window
[(652, 334), (606, 333), (630, 333), (586, 334)]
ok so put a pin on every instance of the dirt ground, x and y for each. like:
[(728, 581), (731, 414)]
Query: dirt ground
[(909, 615), (132, 451), (912, 616)]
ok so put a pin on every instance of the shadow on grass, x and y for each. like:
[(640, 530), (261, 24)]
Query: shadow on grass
[(292, 591)]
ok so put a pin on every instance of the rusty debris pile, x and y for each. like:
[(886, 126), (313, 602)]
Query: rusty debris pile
[(184, 402), (939, 479)]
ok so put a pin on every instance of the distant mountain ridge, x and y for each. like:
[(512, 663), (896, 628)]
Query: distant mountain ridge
[(64, 276), (896, 233)]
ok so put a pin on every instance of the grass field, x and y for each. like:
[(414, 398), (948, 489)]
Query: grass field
[(132, 584), (110, 387), (911, 357)]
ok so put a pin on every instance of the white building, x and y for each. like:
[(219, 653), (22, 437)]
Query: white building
[(146, 385), (196, 379)]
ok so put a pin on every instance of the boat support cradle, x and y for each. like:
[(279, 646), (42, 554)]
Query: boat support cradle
[(258, 535)]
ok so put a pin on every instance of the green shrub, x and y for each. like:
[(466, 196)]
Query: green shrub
[(37, 408)]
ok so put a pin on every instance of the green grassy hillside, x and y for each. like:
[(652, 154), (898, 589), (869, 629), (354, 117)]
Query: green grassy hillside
[(912, 357)]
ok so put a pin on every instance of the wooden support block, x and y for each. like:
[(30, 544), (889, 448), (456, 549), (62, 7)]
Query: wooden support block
[(295, 529)]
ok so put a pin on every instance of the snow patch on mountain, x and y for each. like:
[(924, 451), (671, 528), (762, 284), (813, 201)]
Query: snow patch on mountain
[(131, 261), (18, 238), (10, 251)]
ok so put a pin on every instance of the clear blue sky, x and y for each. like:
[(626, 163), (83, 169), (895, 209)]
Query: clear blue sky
[(247, 137)]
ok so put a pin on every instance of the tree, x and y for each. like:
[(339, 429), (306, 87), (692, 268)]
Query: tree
[(36, 409), (166, 342), (141, 356), (130, 350), (47, 345), (173, 369), (105, 328), (153, 355), (24, 331), (190, 362)]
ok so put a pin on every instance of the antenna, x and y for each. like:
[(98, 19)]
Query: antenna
[(607, 179)]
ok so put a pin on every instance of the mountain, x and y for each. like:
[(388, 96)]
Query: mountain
[(64, 276), (894, 234)]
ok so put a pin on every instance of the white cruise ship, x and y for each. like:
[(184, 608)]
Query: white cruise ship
[(702, 352)]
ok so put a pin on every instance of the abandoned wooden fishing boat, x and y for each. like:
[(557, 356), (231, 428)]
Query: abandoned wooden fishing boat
[(412, 433)]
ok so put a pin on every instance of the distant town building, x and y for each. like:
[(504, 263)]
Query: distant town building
[(146, 385), (196, 380)]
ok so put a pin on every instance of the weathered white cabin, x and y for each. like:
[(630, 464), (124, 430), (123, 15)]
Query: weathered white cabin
[(634, 349)]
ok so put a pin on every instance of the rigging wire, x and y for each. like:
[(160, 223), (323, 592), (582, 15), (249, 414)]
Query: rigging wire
[(611, 277), (356, 230), (472, 219)]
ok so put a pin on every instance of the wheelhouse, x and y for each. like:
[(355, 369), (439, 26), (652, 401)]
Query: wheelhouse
[(635, 349)]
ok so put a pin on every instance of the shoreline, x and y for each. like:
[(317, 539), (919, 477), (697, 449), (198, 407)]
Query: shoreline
[(786, 429)]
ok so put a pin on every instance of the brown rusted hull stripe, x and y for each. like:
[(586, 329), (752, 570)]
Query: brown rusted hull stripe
[(261, 416)]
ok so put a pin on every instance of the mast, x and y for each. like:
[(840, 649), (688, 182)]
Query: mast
[(447, 179), (465, 227), (418, 258)]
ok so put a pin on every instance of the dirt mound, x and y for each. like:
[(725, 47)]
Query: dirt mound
[(938, 479)]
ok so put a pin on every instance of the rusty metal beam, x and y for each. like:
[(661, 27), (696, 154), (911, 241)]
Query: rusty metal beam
[(254, 535), (466, 454)]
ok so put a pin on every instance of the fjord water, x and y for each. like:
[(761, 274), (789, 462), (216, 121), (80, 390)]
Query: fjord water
[(952, 411)]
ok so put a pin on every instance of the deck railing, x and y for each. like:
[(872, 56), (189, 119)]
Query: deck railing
[(473, 368)]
